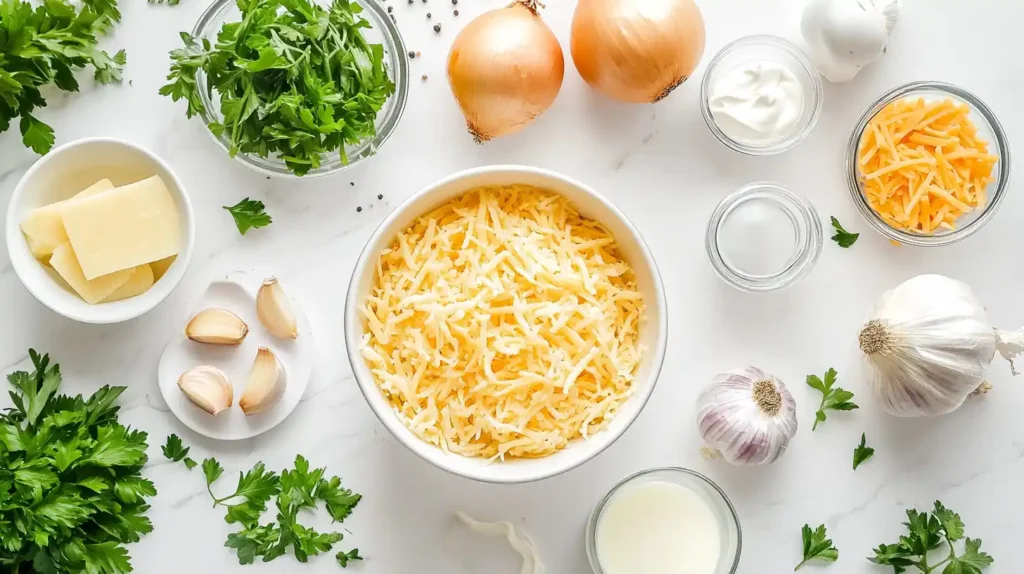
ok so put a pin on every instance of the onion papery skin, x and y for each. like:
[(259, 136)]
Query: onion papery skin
[(636, 50), (505, 68)]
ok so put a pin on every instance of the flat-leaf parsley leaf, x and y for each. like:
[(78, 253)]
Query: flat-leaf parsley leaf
[(843, 237), (249, 214), (928, 532), (816, 546), (862, 452), (832, 398), (175, 451)]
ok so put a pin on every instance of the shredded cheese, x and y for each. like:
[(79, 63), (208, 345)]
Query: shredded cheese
[(923, 165), (503, 324)]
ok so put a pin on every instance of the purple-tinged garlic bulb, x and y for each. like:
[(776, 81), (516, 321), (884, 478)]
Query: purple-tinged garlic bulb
[(746, 416)]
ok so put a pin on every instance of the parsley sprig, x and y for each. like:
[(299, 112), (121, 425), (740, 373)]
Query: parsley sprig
[(295, 79), (832, 397), (816, 546), (930, 531), (293, 490), (843, 237), (71, 490), (175, 451), (44, 46), (249, 214), (862, 452)]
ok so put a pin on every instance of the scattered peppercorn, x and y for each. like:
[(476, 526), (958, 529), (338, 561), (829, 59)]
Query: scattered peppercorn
[(352, 183), (428, 15), (418, 53), (455, 2), (380, 196), (358, 209), (456, 12), (437, 28), (268, 177), (390, 9), (424, 77), (412, 54)]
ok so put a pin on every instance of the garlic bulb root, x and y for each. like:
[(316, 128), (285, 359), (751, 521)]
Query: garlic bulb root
[(747, 416), (928, 343)]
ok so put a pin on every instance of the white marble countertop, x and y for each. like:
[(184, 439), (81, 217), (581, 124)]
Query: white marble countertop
[(662, 166)]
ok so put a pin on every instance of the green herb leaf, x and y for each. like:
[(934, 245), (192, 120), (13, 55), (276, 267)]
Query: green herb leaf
[(833, 398), (843, 237), (343, 558), (43, 45), (927, 533), (212, 470), (862, 452), (249, 214), (297, 81), (70, 475), (175, 451), (816, 546)]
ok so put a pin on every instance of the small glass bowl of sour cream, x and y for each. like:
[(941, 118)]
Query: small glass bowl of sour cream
[(661, 521), (761, 95)]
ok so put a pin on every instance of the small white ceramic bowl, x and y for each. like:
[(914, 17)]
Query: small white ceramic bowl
[(62, 173), (653, 334)]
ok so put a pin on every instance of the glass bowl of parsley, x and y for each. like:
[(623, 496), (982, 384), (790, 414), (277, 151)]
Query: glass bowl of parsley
[(294, 87)]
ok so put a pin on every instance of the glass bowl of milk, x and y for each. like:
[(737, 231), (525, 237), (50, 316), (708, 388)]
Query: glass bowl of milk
[(664, 521), (761, 95)]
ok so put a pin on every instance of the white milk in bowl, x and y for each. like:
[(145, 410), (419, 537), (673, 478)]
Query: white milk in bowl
[(665, 521)]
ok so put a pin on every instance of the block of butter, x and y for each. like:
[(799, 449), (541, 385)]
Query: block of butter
[(43, 228), (123, 228)]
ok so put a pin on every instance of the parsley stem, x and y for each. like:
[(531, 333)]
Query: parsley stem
[(800, 564)]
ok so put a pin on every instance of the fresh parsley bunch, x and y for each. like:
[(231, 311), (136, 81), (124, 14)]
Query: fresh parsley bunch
[(299, 488), (71, 491), (294, 78), (930, 531), (46, 46)]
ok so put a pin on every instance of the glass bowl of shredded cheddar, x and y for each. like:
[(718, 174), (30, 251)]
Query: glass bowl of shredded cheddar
[(928, 164), (506, 324)]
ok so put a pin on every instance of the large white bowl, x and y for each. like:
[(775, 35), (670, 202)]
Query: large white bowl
[(590, 204), (62, 173)]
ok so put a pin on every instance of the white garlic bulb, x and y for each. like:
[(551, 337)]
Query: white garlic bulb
[(928, 343), (843, 36), (747, 416)]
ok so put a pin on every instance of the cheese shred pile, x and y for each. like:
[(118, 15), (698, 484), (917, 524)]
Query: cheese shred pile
[(923, 164), (503, 324)]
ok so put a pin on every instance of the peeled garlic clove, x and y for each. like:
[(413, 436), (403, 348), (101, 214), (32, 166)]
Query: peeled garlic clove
[(217, 327), (747, 417), (208, 388), (275, 310), (266, 383)]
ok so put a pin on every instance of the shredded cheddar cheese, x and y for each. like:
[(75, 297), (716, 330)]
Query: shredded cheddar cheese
[(923, 165), (503, 324)]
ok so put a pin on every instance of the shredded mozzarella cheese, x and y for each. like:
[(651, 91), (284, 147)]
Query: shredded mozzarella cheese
[(503, 324)]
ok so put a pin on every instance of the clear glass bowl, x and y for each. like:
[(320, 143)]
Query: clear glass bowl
[(807, 233), (988, 127), (776, 50), (729, 522), (396, 60)]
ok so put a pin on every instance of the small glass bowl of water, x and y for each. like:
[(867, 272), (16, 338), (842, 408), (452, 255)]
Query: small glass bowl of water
[(763, 237)]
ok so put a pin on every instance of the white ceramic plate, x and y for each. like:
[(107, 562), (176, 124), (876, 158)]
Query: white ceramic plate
[(238, 295)]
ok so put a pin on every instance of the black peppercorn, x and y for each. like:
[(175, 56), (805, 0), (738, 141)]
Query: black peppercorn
[(390, 9), (358, 209), (412, 54), (428, 15), (456, 12), (380, 196), (437, 28)]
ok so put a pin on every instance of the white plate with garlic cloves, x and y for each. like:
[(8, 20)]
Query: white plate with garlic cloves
[(242, 362)]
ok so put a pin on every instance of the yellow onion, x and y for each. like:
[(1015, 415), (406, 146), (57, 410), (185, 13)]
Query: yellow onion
[(505, 69), (636, 50)]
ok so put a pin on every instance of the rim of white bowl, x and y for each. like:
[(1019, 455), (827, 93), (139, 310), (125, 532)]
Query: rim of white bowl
[(102, 315), (353, 332)]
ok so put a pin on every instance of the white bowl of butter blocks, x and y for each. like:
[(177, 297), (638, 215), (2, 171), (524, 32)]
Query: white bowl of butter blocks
[(100, 230)]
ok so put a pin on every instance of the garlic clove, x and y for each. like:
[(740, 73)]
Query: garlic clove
[(266, 383), (217, 327), (275, 310), (207, 387)]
